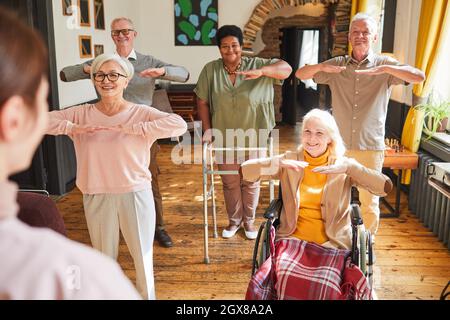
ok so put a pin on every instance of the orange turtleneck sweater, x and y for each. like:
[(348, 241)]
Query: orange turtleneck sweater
[(310, 226)]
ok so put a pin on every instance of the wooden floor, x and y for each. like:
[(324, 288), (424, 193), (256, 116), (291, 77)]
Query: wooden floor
[(411, 262)]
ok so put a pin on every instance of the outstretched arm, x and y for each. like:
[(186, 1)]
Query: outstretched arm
[(76, 72), (160, 125), (62, 123), (373, 181), (269, 168), (162, 70), (406, 73), (309, 71), (278, 70)]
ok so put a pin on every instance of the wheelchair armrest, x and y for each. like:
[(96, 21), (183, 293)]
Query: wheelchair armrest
[(274, 209), (356, 215), (44, 192)]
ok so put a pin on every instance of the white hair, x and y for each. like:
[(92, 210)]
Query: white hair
[(122, 18), (337, 147), (373, 24), (124, 64)]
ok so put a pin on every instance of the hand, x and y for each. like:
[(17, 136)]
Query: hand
[(373, 71), (87, 69), (207, 137), (251, 74), (331, 69), (153, 73), (82, 129), (334, 168), (293, 164)]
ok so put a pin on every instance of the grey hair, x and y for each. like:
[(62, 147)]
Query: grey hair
[(337, 147), (126, 65), (122, 18), (373, 24)]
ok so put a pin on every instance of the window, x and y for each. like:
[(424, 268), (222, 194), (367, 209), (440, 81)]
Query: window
[(309, 53)]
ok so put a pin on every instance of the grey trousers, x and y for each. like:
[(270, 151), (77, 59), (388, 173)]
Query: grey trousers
[(134, 214), (154, 170)]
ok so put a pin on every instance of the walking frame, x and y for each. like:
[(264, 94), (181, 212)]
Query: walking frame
[(207, 154)]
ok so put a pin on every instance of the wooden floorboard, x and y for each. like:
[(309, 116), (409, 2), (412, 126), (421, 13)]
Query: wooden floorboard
[(411, 262)]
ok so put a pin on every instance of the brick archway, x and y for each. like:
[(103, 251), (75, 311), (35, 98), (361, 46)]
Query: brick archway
[(339, 17)]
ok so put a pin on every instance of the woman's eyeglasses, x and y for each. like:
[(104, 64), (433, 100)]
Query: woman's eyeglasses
[(125, 32), (113, 76)]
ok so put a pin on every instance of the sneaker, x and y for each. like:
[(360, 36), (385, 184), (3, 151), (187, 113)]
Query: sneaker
[(250, 231), (230, 231)]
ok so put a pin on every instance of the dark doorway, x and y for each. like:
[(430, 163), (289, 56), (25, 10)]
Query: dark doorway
[(300, 46), (53, 165)]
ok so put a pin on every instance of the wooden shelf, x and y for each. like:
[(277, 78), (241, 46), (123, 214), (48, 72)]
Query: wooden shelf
[(184, 103)]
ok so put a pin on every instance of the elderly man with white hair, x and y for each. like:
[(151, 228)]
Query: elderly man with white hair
[(112, 138), (361, 84)]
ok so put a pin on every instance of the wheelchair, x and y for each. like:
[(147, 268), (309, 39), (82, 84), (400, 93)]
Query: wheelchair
[(361, 251)]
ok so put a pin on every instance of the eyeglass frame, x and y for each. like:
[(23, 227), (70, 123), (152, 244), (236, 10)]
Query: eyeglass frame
[(365, 34), (106, 75), (121, 31)]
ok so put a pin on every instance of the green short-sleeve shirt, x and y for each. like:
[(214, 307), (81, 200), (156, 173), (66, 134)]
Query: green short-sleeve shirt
[(248, 104)]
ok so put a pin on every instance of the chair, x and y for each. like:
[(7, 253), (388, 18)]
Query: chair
[(37, 209)]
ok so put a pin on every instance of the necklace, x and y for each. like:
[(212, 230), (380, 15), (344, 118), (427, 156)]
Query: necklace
[(235, 70)]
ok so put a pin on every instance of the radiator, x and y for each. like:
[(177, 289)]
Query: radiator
[(429, 205)]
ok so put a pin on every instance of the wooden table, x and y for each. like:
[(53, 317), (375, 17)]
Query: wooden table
[(401, 161)]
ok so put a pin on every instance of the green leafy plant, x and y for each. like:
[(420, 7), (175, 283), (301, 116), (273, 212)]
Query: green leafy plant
[(436, 112)]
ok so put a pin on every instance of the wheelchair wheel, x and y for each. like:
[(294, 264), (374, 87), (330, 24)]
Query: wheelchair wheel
[(370, 259), (256, 249), (362, 250), (261, 250)]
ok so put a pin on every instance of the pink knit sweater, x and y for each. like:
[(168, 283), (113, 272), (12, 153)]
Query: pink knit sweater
[(115, 161)]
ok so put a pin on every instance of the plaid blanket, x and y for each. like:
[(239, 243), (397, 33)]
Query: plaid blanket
[(307, 271)]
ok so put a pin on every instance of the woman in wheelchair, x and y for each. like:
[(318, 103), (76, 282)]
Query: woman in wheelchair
[(310, 258)]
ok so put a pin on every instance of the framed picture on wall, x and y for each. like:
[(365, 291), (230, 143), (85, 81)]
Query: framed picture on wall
[(196, 22), (99, 15), (85, 44), (66, 7), (85, 18), (98, 49)]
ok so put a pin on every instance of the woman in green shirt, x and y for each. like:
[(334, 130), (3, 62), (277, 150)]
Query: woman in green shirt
[(235, 100)]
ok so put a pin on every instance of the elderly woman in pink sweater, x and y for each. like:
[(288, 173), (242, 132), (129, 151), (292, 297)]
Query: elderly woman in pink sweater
[(112, 138)]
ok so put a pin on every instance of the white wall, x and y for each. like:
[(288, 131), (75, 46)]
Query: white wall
[(156, 32), (68, 52), (154, 21), (405, 38)]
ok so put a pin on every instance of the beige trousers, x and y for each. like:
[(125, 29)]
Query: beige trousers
[(134, 214), (241, 197), (370, 207)]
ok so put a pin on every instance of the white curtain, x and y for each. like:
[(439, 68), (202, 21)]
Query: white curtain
[(309, 53)]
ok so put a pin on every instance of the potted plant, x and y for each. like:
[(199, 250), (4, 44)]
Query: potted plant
[(436, 115)]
